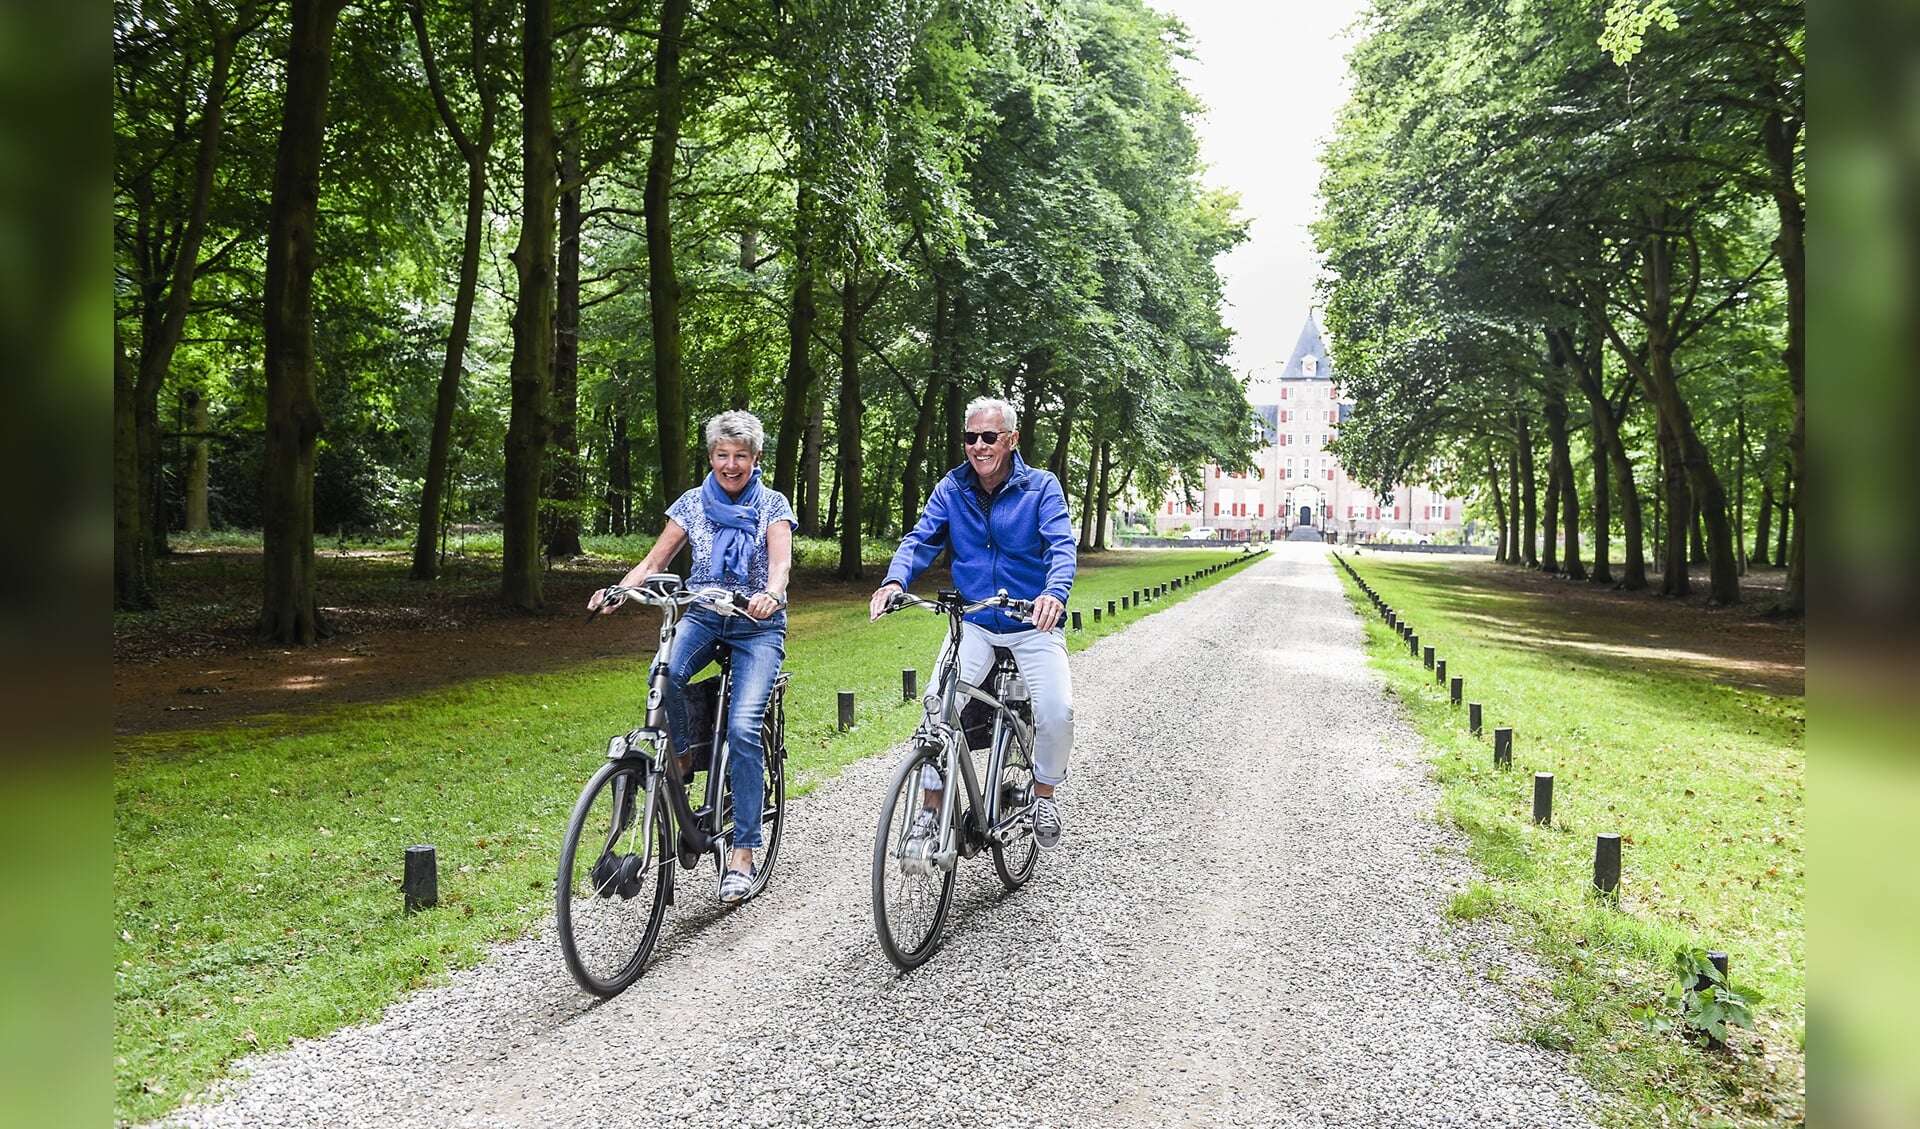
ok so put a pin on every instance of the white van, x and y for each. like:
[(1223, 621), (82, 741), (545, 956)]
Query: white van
[(1200, 534)]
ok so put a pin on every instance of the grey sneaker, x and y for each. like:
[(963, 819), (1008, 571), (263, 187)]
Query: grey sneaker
[(1047, 824)]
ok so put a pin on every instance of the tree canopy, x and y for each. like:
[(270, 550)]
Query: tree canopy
[(526, 248)]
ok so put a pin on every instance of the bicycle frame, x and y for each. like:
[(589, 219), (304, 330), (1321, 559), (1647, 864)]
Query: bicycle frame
[(653, 742), (941, 723)]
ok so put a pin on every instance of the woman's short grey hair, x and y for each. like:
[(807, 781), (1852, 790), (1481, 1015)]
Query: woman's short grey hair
[(1009, 418), (736, 427)]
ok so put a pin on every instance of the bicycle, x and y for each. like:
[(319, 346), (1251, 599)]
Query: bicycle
[(913, 877), (636, 824)]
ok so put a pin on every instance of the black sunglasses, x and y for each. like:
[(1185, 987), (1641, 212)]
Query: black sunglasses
[(987, 437)]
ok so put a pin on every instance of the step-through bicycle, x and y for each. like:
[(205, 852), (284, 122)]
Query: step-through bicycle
[(641, 825), (913, 873)]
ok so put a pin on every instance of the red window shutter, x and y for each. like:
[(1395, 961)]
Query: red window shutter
[(1216, 509), (1263, 509)]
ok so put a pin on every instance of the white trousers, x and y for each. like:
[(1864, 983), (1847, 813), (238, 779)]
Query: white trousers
[(1042, 656)]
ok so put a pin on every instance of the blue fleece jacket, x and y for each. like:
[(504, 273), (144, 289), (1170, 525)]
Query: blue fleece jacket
[(1020, 539)]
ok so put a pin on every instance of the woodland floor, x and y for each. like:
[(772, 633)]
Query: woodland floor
[(195, 663)]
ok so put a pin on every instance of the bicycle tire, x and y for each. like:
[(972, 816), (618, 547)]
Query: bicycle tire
[(773, 812), (1014, 863), (908, 909), (607, 928)]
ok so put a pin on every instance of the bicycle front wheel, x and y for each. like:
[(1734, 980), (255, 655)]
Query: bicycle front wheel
[(910, 897), (614, 880)]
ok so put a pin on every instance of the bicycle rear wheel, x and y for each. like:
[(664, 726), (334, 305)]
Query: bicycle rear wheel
[(773, 810), (614, 881), (1014, 862), (909, 901)]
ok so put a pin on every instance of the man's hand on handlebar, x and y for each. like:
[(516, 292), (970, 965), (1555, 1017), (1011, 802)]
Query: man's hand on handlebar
[(882, 601), (1046, 613)]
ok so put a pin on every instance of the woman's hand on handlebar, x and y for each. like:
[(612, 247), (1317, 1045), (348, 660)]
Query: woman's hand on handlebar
[(1046, 613), (762, 605)]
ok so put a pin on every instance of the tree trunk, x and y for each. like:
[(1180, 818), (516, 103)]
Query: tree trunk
[(476, 150), (289, 611), (195, 403), (163, 320), (1063, 436), (1677, 507), (1695, 461), (1789, 505), (532, 365), (1089, 494), (930, 399), (563, 462), (1602, 571), (1029, 414), (1106, 498), (1550, 526), (1529, 498), (1561, 469), (131, 592), (1610, 450), (850, 462), (619, 505), (797, 390), (1696, 540), (810, 465), (1764, 523), (1740, 481), (663, 283), (1780, 137), (1505, 547), (1517, 554)]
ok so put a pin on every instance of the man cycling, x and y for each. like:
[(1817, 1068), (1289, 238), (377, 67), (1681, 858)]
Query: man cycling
[(1006, 527)]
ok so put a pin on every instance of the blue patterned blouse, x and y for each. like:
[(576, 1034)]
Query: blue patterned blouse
[(691, 513)]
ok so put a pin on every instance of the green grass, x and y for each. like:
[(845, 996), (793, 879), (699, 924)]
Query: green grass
[(257, 868), (1704, 781)]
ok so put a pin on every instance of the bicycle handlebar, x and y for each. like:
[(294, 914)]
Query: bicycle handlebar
[(1018, 609), (665, 590)]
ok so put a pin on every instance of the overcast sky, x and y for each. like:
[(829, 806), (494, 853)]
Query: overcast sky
[(1271, 76)]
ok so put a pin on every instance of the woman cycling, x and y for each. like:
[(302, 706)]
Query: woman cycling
[(742, 536)]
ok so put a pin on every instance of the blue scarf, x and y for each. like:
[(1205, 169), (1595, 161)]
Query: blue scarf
[(736, 525)]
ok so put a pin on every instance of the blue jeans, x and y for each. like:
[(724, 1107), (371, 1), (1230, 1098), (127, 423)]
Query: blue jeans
[(759, 646)]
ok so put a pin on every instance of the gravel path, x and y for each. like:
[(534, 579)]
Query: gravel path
[(1242, 927)]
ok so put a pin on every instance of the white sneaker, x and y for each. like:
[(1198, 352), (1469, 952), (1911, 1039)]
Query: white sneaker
[(925, 825), (1047, 824)]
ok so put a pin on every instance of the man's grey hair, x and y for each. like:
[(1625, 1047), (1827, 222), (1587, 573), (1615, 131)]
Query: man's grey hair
[(1009, 418), (736, 427)]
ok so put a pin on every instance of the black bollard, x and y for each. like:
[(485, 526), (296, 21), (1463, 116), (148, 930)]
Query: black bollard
[(1136, 597), (1076, 620), (421, 883), (1701, 983), (1439, 672), (1473, 718), (1109, 607), (1503, 747), (1455, 687), (1606, 864), (1413, 643), (846, 710), (1096, 614), (1426, 657), (909, 684), (1543, 797)]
